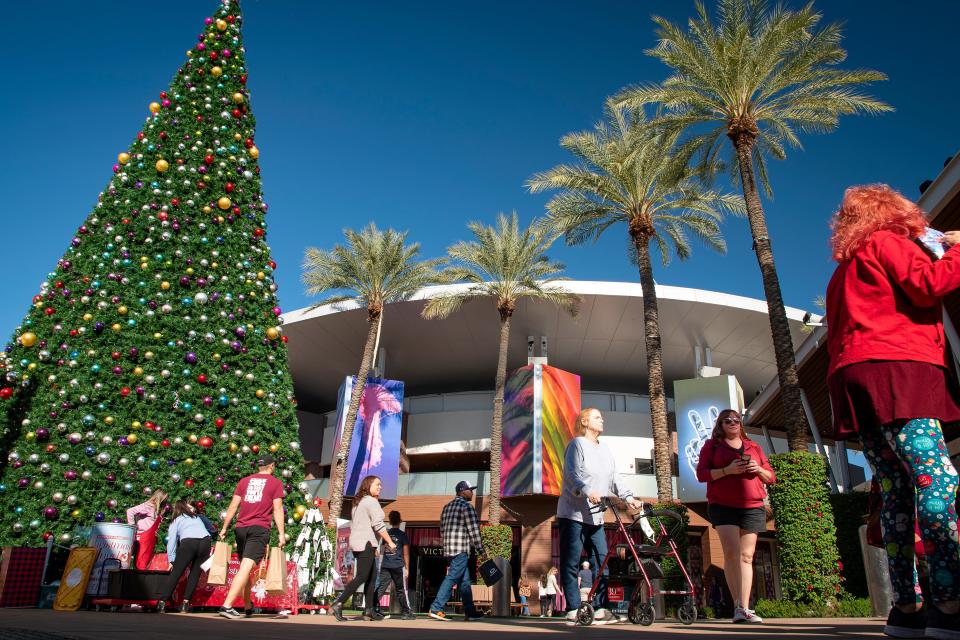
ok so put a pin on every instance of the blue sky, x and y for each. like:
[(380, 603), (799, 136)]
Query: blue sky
[(424, 115)]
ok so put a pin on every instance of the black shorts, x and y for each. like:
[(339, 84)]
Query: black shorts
[(753, 519), (252, 542)]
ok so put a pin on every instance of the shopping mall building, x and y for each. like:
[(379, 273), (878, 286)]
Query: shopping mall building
[(448, 369)]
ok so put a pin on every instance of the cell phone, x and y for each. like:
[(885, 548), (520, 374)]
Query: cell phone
[(745, 457)]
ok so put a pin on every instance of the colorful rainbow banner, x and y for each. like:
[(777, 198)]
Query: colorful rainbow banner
[(540, 409)]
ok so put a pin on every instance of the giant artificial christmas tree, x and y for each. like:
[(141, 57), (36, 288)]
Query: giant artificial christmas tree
[(151, 358)]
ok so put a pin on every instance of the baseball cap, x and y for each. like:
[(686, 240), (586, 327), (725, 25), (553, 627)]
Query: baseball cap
[(265, 460), (463, 485)]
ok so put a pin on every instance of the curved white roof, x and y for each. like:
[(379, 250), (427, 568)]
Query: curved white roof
[(604, 343)]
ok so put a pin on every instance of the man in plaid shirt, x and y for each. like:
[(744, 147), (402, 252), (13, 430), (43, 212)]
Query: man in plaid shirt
[(460, 530)]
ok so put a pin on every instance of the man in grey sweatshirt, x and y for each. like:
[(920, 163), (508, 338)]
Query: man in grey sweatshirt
[(589, 475)]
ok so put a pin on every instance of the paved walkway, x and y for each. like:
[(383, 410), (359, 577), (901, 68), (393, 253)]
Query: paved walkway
[(36, 624)]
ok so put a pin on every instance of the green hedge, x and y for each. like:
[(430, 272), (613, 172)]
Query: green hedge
[(807, 536), (843, 608), (849, 510), (673, 576), (497, 540)]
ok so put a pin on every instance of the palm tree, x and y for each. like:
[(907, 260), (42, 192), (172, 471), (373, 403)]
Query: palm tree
[(760, 77), (630, 173), (505, 263), (373, 269)]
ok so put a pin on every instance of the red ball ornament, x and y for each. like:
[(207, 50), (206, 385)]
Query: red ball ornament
[(163, 94), (115, 355), (188, 483), (51, 448), (243, 79), (5, 393), (202, 379), (49, 311), (125, 391), (208, 158), (219, 422), (258, 232), (230, 187), (255, 448), (237, 113), (47, 535), (162, 216), (149, 425), (175, 202), (248, 143), (206, 442), (164, 443), (284, 339), (59, 284)]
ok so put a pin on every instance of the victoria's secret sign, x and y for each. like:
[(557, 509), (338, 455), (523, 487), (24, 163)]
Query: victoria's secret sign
[(430, 551)]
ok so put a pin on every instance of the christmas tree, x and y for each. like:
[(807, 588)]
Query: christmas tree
[(152, 357)]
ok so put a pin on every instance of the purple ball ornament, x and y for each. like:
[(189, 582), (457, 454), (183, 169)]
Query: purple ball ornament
[(240, 332), (51, 513), (23, 483), (190, 358), (111, 477), (70, 475), (99, 516), (43, 434)]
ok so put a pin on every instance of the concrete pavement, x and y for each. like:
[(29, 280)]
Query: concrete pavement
[(37, 624)]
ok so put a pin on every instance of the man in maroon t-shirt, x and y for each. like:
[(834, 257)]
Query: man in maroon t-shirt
[(258, 498)]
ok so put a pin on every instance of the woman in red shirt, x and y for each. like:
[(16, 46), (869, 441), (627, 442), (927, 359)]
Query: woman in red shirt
[(736, 472), (888, 385)]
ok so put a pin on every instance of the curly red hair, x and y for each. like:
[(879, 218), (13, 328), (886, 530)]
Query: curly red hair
[(869, 208)]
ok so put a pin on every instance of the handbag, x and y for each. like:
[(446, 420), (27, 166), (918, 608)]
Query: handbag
[(524, 591), (276, 581), (490, 573), (218, 569)]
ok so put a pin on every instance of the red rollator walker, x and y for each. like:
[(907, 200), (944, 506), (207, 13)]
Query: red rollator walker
[(655, 526)]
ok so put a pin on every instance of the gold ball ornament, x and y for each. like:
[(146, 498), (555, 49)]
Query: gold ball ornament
[(300, 508), (224, 203), (162, 165), (188, 461), (253, 152), (221, 24), (108, 421), (123, 157), (216, 72), (207, 209), (135, 424), (116, 326), (192, 438), (233, 447), (238, 98), (153, 444), (165, 285), (29, 436), (297, 516), (261, 393), (132, 438), (273, 333), (87, 317), (28, 339), (122, 310), (138, 371), (154, 107), (274, 447)]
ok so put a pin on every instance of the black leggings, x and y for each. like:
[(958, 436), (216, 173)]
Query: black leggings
[(394, 574), (193, 552), (366, 566)]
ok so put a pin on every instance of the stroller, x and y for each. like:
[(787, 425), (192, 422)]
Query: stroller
[(656, 526)]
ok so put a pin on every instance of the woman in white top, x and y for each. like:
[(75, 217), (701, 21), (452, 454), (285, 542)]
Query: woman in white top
[(548, 588), (366, 526)]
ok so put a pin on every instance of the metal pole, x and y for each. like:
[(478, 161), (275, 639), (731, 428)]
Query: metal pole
[(818, 440), (766, 434)]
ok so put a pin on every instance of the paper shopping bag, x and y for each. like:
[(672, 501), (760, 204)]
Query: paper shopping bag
[(221, 558), (276, 582)]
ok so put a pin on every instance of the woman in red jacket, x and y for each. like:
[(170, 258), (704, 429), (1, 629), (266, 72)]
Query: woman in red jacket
[(736, 472), (888, 386)]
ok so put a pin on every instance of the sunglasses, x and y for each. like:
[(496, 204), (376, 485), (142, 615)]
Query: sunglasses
[(727, 421)]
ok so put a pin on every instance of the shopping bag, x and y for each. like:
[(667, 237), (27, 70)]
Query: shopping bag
[(221, 558), (490, 573), (276, 581)]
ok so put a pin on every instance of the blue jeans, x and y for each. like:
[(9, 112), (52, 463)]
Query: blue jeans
[(576, 537), (458, 573), (525, 611)]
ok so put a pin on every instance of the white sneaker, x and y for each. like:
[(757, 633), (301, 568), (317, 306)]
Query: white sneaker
[(605, 616), (571, 618), (744, 615)]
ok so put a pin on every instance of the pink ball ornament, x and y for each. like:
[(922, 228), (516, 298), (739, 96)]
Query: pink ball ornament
[(51, 513), (70, 475)]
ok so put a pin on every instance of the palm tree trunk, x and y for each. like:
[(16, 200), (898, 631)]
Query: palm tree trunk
[(662, 444), (795, 423), (339, 468), (496, 431)]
